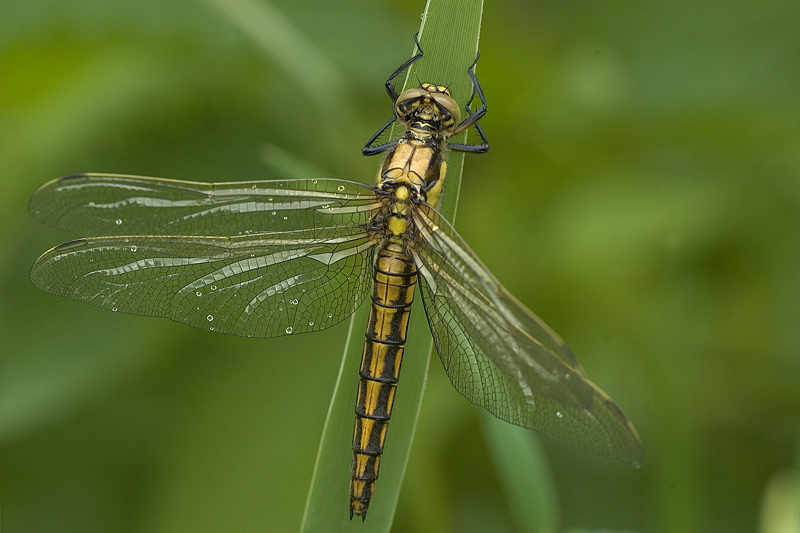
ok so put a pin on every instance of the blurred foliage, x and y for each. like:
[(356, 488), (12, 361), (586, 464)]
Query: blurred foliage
[(642, 195)]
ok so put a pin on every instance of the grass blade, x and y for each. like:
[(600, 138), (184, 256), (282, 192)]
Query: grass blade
[(449, 36), (524, 474)]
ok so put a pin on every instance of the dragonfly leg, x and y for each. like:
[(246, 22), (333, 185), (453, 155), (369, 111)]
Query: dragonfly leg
[(473, 116)]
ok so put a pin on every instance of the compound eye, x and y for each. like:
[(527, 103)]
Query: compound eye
[(450, 106), (411, 94), (407, 102)]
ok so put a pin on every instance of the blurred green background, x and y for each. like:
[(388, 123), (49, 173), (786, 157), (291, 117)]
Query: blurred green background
[(642, 195)]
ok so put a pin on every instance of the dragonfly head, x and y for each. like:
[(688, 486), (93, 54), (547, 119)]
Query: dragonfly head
[(428, 109)]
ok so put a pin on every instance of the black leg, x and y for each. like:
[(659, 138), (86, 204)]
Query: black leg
[(473, 117), (372, 150), (389, 85), (368, 148)]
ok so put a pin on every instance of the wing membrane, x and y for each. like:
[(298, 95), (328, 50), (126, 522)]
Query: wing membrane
[(112, 204), (257, 259), (502, 357), (254, 286)]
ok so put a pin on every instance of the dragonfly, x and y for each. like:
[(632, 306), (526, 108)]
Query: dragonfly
[(278, 257)]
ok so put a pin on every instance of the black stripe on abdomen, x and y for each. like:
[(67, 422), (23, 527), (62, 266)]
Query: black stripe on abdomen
[(394, 279)]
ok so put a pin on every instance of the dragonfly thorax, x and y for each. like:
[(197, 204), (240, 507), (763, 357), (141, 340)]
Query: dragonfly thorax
[(395, 219), (416, 162), (402, 192)]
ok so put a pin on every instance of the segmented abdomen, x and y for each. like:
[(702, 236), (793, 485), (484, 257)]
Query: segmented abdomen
[(394, 279)]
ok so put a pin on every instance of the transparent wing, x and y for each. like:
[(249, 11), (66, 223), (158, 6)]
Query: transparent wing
[(502, 357), (257, 282), (113, 204)]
